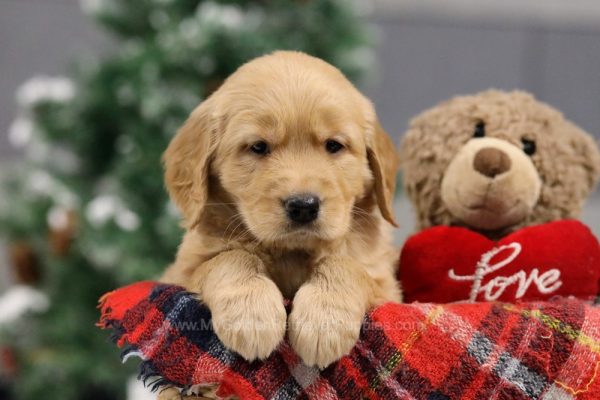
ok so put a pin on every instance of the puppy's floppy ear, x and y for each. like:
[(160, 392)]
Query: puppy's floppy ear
[(383, 161), (186, 162)]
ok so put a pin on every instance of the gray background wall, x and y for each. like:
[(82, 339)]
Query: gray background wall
[(430, 50)]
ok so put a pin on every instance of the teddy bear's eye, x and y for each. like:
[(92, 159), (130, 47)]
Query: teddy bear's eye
[(479, 130), (529, 146)]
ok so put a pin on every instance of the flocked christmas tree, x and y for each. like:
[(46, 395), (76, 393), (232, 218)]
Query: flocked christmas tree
[(86, 211)]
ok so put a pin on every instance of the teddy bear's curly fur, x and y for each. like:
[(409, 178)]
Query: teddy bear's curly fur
[(443, 141)]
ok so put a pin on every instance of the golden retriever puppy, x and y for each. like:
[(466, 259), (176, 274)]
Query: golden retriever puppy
[(285, 179)]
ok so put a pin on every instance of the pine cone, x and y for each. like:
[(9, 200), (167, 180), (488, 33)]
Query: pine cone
[(25, 262), (8, 363)]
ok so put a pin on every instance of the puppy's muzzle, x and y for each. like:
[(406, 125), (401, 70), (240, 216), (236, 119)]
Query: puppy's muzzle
[(303, 208)]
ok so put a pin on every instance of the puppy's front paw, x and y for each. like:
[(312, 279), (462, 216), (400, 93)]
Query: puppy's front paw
[(323, 329), (250, 319)]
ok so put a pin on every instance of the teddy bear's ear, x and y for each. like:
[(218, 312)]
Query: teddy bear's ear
[(587, 153), (383, 162), (186, 162)]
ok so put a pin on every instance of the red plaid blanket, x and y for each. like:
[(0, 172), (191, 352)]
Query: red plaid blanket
[(538, 350)]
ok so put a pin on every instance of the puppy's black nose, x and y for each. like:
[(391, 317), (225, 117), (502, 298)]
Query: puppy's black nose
[(303, 208)]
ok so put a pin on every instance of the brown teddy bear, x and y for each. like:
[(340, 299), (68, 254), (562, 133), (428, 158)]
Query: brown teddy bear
[(494, 163)]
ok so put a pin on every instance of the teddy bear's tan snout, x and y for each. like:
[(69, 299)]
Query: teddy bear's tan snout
[(490, 184), (491, 162)]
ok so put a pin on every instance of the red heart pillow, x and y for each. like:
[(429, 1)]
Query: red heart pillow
[(446, 264)]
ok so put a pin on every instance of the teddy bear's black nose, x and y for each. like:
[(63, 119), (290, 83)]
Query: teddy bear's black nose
[(303, 208), (491, 162)]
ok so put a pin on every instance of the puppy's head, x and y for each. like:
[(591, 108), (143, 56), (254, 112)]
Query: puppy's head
[(293, 144)]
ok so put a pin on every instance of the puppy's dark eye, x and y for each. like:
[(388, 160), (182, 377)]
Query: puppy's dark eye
[(333, 146), (479, 130), (529, 146), (260, 148)]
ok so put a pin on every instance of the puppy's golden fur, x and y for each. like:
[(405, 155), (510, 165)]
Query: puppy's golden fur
[(240, 252)]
